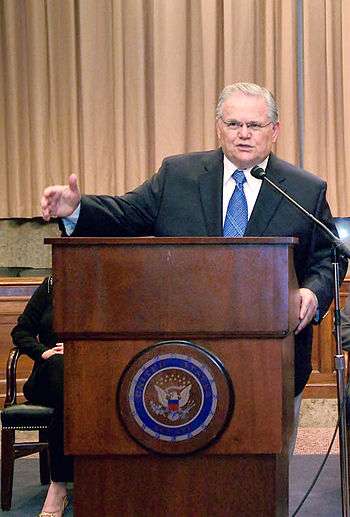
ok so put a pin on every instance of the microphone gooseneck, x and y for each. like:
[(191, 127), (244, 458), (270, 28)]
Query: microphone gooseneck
[(339, 248), (259, 173)]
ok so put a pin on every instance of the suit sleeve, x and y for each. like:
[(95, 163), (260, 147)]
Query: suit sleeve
[(130, 215), (319, 277)]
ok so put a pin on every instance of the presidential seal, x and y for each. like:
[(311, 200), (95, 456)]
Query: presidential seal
[(175, 397)]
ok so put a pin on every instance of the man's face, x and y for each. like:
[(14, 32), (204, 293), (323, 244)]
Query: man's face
[(245, 146)]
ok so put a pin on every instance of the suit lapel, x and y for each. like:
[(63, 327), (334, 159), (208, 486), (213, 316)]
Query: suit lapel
[(210, 188), (267, 201)]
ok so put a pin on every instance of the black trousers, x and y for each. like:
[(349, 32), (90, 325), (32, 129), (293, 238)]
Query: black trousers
[(45, 386)]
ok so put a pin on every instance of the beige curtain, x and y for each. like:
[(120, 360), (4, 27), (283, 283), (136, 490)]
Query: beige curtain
[(327, 96), (107, 88), (39, 96), (260, 46)]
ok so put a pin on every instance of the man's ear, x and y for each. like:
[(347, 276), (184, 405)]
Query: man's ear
[(276, 132), (218, 130)]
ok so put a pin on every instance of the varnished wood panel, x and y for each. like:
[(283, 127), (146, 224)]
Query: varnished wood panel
[(14, 294), (323, 382), (93, 425), (196, 288), (172, 282), (145, 486)]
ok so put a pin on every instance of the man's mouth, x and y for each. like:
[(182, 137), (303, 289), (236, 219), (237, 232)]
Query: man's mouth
[(244, 147)]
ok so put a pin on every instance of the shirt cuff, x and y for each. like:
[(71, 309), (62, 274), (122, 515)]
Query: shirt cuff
[(317, 318), (70, 222)]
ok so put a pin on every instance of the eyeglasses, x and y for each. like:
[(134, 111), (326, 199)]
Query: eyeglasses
[(235, 125)]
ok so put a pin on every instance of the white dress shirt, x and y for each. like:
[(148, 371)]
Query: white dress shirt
[(251, 187)]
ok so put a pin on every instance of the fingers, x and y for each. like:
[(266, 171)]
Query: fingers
[(57, 349), (308, 308), (304, 321), (73, 183), (44, 203), (60, 200), (50, 200)]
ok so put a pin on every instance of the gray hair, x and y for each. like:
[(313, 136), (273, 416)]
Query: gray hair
[(249, 89)]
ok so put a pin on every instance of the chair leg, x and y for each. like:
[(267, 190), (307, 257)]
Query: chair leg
[(44, 460), (7, 467)]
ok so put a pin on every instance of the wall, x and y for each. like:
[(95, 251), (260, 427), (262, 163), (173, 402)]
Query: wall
[(22, 245)]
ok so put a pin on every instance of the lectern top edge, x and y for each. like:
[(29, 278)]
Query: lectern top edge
[(77, 241)]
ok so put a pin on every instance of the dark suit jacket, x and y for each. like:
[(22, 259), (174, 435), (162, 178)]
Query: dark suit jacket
[(33, 335), (185, 199)]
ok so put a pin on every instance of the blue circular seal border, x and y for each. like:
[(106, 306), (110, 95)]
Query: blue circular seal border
[(212, 367), (192, 367)]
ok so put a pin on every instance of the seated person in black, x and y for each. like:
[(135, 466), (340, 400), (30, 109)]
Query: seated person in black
[(34, 336)]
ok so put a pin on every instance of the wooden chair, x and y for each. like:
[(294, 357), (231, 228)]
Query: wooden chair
[(21, 417)]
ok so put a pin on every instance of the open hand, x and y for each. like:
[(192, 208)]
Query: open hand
[(60, 200)]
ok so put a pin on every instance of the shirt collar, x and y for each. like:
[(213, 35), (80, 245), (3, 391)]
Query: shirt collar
[(230, 167)]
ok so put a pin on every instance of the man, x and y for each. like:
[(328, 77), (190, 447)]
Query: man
[(190, 196), (212, 194)]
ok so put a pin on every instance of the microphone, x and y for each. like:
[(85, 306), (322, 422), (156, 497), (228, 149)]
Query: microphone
[(259, 173)]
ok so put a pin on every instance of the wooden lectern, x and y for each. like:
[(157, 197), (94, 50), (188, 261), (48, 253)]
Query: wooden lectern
[(237, 298)]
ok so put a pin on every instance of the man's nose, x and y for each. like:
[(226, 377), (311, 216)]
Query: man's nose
[(244, 131)]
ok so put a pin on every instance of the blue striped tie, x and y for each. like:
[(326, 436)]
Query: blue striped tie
[(236, 219)]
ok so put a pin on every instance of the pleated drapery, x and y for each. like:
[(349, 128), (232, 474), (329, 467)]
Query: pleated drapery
[(108, 88)]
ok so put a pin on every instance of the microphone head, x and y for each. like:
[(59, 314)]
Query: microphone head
[(258, 172)]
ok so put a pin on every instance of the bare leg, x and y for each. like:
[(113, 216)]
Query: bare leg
[(55, 499), (297, 407)]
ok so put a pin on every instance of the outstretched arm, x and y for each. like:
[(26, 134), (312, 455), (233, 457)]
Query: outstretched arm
[(60, 200)]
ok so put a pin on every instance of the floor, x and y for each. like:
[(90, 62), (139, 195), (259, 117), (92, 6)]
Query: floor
[(316, 440), (324, 500), (312, 443)]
